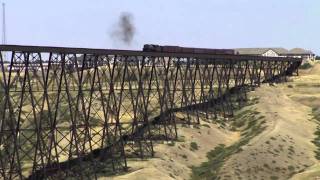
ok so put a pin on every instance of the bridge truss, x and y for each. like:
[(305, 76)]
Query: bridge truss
[(72, 112)]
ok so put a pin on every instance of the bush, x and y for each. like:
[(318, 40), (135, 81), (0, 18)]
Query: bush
[(305, 66), (194, 146), (291, 168), (184, 156)]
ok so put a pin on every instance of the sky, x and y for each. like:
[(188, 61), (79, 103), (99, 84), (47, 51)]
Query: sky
[(192, 23)]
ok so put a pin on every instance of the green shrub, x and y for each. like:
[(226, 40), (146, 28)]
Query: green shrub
[(184, 156), (194, 146), (305, 66), (290, 168)]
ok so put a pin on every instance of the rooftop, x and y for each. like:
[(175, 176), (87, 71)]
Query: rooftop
[(279, 50)]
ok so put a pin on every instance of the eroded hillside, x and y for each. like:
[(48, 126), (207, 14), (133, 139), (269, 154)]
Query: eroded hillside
[(273, 138)]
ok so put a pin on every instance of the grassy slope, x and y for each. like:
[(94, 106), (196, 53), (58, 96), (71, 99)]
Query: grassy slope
[(251, 124), (284, 148), (275, 143), (307, 89), (174, 160)]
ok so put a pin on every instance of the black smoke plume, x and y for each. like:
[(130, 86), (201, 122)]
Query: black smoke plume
[(124, 30)]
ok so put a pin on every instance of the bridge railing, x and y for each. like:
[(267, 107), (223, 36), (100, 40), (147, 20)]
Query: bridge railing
[(61, 107)]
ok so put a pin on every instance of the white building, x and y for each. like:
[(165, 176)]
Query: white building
[(277, 52)]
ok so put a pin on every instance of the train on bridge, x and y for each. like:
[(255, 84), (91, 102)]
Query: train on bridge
[(192, 50)]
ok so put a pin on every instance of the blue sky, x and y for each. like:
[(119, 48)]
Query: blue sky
[(198, 23)]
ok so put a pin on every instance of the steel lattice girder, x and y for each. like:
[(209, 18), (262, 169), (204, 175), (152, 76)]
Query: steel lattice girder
[(78, 112)]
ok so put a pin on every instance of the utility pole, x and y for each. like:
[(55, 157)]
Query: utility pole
[(4, 36)]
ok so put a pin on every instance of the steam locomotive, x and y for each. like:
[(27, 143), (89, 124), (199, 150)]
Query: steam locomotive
[(178, 49)]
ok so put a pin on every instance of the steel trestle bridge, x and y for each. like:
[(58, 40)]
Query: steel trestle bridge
[(79, 113)]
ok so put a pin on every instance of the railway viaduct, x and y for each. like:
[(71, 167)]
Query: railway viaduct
[(75, 112)]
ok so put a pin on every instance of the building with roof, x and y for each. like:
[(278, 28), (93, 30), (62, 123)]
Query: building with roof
[(302, 53), (277, 52)]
